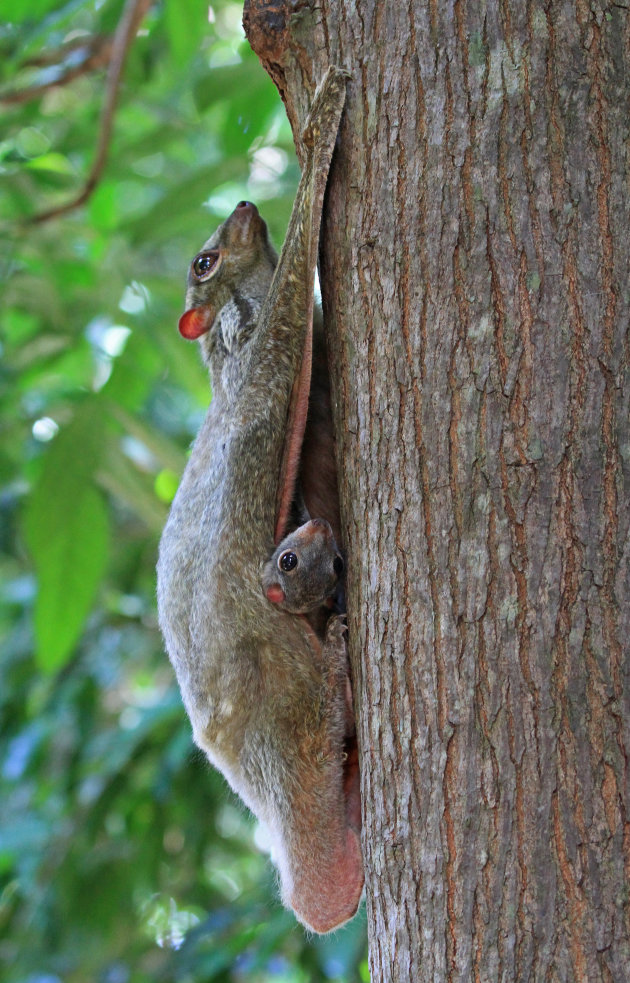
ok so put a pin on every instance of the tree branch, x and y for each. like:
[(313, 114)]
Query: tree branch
[(98, 53), (133, 13)]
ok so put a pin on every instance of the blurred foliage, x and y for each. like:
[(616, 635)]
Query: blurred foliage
[(123, 856)]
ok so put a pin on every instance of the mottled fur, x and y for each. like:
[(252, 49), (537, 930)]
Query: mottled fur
[(267, 700)]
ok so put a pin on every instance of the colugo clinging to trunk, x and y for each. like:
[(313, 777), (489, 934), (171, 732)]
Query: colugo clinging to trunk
[(265, 690)]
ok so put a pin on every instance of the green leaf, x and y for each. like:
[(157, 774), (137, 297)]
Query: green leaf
[(157, 223), (185, 26), (121, 479), (165, 449), (103, 207), (67, 532), (54, 162), (34, 10)]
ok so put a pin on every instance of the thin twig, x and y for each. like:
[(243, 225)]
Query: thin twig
[(132, 16), (99, 53), (53, 56)]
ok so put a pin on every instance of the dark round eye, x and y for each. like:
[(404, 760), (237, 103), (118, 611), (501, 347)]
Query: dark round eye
[(338, 565), (205, 263), (287, 561)]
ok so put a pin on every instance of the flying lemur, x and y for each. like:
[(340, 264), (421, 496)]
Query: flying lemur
[(265, 685)]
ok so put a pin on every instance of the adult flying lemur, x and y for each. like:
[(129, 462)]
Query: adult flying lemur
[(265, 692)]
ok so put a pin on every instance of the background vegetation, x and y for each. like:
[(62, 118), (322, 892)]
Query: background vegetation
[(116, 838)]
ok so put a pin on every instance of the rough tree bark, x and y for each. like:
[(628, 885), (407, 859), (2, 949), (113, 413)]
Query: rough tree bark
[(475, 275)]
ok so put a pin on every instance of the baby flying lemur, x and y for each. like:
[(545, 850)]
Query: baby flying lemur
[(267, 697), (305, 568)]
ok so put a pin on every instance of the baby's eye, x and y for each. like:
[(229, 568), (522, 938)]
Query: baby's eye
[(287, 561)]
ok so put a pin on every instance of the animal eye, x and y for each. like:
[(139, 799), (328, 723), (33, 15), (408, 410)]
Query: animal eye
[(287, 561), (205, 264), (338, 565)]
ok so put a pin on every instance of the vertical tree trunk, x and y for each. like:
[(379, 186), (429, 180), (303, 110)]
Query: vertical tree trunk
[(476, 285)]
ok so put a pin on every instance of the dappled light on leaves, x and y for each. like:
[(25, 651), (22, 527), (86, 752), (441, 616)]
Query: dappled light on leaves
[(122, 856)]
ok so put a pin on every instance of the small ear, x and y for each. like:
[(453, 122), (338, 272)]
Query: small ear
[(275, 594), (196, 322)]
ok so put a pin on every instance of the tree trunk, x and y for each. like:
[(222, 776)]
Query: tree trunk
[(475, 275)]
